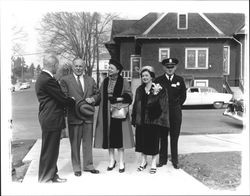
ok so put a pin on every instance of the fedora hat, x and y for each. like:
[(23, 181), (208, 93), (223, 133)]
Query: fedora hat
[(170, 62), (84, 110)]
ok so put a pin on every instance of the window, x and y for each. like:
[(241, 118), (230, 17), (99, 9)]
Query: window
[(226, 60), (164, 53), (194, 90), (182, 21), (200, 82), (196, 58), (127, 75)]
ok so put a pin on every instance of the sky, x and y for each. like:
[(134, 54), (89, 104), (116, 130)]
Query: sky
[(27, 14)]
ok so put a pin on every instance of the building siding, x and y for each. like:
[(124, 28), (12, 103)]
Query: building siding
[(150, 56), (127, 48)]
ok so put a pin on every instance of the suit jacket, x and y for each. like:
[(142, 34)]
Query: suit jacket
[(176, 89), (70, 87), (51, 103)]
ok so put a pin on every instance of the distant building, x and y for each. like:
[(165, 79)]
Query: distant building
[(103, 67)]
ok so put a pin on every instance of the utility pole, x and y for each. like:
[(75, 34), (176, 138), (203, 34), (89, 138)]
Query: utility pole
[(97, 54)]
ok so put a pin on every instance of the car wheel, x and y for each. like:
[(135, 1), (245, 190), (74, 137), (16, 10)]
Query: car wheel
[(218, 105)]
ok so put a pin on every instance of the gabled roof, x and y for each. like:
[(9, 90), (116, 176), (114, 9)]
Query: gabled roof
[(229, 23), (241, 30), (140, 26), (207, 25), (119, 26)]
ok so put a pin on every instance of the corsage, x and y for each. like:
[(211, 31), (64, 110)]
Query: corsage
[(156, 88)]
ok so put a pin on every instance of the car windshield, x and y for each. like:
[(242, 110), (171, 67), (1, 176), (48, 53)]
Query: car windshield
[(205, 90)]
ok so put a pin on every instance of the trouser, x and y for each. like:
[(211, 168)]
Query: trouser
[(81, 134), (49, 155), (175, 118)]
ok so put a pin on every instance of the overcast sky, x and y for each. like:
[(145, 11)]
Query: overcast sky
[(28, 13)]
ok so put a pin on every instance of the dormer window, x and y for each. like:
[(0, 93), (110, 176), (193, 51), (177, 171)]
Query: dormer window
[(182, 21)]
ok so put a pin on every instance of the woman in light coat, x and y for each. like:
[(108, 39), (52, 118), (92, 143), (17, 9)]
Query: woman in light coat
[(111, 133)]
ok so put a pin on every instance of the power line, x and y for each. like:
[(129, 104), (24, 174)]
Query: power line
[(30, 54)]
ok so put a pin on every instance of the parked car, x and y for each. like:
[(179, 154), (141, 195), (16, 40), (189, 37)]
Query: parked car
[(206, 96), (24, 85), (12, 88), (235, 109)]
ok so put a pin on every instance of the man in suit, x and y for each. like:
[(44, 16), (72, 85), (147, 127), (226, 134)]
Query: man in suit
[(51, 117), (82, 87), (177, 95)]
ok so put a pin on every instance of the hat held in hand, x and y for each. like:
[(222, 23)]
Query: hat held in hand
[(84, 110)]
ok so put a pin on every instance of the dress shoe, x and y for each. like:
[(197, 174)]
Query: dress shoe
[(78, 173), (122, 170), (176, 165), (141, 168), (161, 164), (152, 170), (111, 168), (59, 180), (93, 171)]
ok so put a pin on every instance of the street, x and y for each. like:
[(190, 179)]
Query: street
[(195, 121)]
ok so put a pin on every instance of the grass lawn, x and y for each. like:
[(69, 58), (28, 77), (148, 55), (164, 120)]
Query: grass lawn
[(19, 149), (217, 170)]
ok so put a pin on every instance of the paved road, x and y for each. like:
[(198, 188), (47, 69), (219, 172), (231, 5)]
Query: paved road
[(195, 121)]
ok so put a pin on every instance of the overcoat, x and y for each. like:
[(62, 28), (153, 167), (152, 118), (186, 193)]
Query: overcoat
[(103, 117)]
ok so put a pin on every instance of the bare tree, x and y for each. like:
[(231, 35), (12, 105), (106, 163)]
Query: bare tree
[(75, 34), (18, 38)]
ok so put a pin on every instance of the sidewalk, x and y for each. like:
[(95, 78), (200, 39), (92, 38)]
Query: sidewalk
[(167, 180)]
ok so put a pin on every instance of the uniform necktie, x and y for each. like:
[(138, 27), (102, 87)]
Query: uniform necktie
[(79, 84)]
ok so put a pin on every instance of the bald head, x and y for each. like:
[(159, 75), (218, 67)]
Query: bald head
[(50, 62), (78, 66)]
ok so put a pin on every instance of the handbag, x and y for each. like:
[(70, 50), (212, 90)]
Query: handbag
[(119, 110)]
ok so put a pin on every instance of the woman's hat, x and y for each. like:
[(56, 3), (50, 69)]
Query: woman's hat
[(170, 62), (84, 110), (116, 64), (147, 67)]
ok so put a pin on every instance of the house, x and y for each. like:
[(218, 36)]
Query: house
[(210, 47), (103, 67)]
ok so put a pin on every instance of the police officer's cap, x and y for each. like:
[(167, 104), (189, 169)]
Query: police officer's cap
[(170, 62)]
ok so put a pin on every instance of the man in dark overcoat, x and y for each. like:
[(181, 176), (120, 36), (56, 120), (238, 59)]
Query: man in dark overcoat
[(51, 117), (176, 95), (82, 87)]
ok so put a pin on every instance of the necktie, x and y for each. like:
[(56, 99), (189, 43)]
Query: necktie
[(79, 84)]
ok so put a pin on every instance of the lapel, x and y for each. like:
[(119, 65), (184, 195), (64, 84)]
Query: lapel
[(85, 79), (165, 81), (74, 83)]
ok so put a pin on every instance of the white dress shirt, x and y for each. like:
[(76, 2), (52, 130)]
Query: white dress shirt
[(48, 72), (169, 77)]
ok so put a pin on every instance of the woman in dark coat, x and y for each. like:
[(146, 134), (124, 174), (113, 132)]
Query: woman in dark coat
[(149, 115), (111, 133)]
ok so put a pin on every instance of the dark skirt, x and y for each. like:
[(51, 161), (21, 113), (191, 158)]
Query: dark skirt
[(147, 139), (115, 136)]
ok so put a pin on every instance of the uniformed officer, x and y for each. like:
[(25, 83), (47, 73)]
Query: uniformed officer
[(177, 95)]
